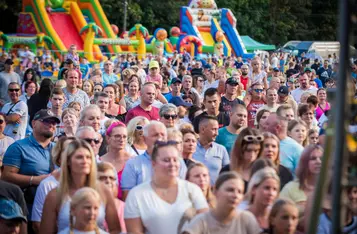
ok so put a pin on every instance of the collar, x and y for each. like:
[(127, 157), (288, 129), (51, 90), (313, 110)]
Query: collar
[(147, 156), (199, 145), (33, 140)]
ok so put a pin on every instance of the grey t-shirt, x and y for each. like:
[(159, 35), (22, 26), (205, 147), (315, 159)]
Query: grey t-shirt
[(20, 108), (5, 79), (243, 223)]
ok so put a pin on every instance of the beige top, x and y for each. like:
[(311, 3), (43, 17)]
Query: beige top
[(243, 223)]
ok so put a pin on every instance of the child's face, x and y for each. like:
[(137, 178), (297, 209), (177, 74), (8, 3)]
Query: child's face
[(86, 212), (286, 220)]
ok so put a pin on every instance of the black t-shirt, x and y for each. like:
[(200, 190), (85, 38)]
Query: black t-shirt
[(197, 72), (223, 120), (285, 176), (13, 192), (228, 168), (226, 105)]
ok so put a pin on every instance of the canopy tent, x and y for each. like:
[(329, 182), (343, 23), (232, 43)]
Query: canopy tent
[(252, 45)]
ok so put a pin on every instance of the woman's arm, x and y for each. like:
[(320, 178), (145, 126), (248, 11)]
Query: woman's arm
[(134, 226), (49, 221), (111, 215)]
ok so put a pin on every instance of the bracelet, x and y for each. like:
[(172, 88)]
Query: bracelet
[(31, 179)]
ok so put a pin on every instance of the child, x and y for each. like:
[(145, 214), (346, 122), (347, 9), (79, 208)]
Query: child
[(283, 218)]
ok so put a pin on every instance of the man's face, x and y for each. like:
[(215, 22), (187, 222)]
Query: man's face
[(288, 114), (57, 101), (187, 83), (212, 104), (8, 67), (176, 87), (309, 74), (239, 118), (272, 96), (155, 133), (231, 89), (148, 94), (10, 226), (257, 91), (72, 79), (244, 70), (270, 125), (14, 92), (210, 130), (325, 64), (108, 67), (103, 103), (304, 82), (45, 127), (283, 97)]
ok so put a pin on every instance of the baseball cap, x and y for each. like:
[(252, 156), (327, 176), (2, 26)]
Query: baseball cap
[(11, 210), (178, 101), (276, 69), (45, 114), (283, 90), (153, 64), (9, 62), (232, 81), (307, 69), (175, 80)]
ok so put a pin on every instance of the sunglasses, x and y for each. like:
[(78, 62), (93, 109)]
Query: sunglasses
[(139, 128), (89, 140), (258, 90), (14, 90), (200, 80), (252, 138), (170, 116), (48, 121), (2, 121)]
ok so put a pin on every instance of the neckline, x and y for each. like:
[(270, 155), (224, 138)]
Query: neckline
[(162, 200)]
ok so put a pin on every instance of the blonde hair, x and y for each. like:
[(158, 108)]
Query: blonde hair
[(66, 180), (174, 133), (293, 123), (278, 205), (82, 195), (268, 135), (132, 126)]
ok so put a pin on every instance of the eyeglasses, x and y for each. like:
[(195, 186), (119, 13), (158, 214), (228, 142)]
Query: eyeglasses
[(48, 121), (252, 138), (258, 90), (166, 116), (119, 136), (199, 80), (14, 90), (103, 178), (139, 128), (2, 121), (90, 140)]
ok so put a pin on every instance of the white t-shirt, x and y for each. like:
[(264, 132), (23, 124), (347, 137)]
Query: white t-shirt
[(158, 216), (102, 125), (20, 108), (4, 144), (43, 189), (75, 231), (132, 152), (297, 93)]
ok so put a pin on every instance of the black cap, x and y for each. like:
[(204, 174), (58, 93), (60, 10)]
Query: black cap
[(276, 69), (69, 61), (232, 81), (9, 62), (283, 90), (175, 80), (45, 114)]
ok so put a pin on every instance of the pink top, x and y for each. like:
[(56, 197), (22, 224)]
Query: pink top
[(156, 79), (120, 209), (120, 193), (320, 111)]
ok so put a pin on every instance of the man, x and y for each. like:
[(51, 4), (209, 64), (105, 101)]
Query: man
[(139, 169), (176, 85), (11, 217), (244, 78), (93, 138), (6, 77), (28, 161), (208, 152), (168, 115), (145, 108), (274, 83), (57, 101), (272, 101), (275, 61), (72, 93), (108, 76), (238, 63), (254, 103), (212, 101), (84, 67), (285, 98), (290, 150), (304, 87), (324, 72), (286, 111), (16, 113), (311, 77), (291, 71), (238, 120), (101, 99), (316, 65), (68, 64), (230, 99)]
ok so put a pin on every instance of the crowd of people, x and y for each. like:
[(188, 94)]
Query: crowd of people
[(165, 145)]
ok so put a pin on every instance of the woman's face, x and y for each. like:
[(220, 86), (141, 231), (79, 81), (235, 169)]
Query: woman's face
[(31, 89), (321, 95), (98, 88), (139, 130), (87, 87), (108, 178), (266, 192), (315, 162), (167, 162), (133, 88), (92, 118), (308, 116), (118, 138), (256, 65), (263, 119), (86, 212), (286, 220), (271, 149), (298, 133), (352, 196), (200, 176), (314, 138), (29, 76), (2, 124), (70, 120), (169, 119), (230, 193), (251, 153), (111, 92), (200, 82), (189, 143), (164, 85), (81, 162)]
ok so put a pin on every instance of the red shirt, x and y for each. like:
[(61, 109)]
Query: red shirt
[(244, 81), (153, 114), (252, 111)]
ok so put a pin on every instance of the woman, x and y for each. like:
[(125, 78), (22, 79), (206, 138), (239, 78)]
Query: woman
[(189, 146), (114, 110), (75, 106), (259, 75), (306, 114), (84, 210), (175, 135), (78, 170), (247, 148), (39, 100), (283, 218), (116, 136), (88, 88), (5, 141), (263, 189), (70, 120), (133, 94), (107, 175), (271, 150), (165, 89), (29, 75), (136, 144), (198, 174), (297, 130), (322, 105), (161, 205), (98, 87), (262, 116), (198, 85), (30, 89), (225, 218), (306, 173)]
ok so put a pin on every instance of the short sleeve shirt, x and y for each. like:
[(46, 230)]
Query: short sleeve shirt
[(226, 139), (80, 96), (290, 153), (109, 78), (19, 108)]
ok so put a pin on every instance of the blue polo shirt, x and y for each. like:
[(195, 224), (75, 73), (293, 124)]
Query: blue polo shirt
[(109, 78), (139, 169), (29, 157), (214, 158), (290, 153), (226, 138)]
